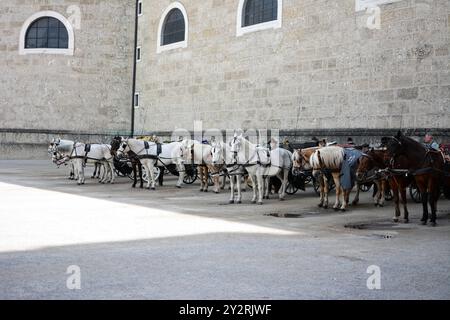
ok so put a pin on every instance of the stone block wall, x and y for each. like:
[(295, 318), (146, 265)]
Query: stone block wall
[(322, 70)]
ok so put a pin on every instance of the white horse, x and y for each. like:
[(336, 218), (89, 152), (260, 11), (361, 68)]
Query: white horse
[(260, 163), (149, 156), (62, 157), (84, 153), (78, 154)]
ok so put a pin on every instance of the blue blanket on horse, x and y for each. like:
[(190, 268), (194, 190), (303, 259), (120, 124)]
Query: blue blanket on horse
[(349, 166)]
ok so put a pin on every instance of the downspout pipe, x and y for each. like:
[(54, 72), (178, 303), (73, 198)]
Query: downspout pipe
[(134, 68)]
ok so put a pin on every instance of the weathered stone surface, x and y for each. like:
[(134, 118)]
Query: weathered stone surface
[(87, 92), (323, 69)]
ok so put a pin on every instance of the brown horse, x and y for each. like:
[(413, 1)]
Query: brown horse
[(301, 159), (425, 165), (368, 170), (136, 164), (376, 163)]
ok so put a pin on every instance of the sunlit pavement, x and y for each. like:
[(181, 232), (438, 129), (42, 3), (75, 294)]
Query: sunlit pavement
[(183, 244)]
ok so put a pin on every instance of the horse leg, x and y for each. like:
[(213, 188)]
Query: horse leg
[(95, 170), (151, 174), (105, 173), (285, 181), (134, 165), (260, 186), (377, 195), (337, 184), (396, 197), (382, 192), (253, 181), (217, 184), (435, 192), (239, 190), (80, 172), (139, 165), (346, 197), (161, 176), (111, 171), (356, 200), (72, 170), (224, 182), (100, 170), (181, 170), (232, 188)]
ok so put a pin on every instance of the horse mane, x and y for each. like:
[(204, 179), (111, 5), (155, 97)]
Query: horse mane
[(328, 157)]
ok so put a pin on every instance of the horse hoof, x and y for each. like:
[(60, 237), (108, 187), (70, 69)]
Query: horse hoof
[(433, 224), (320, 205), (179, 187), (395, 220), (260, 203), (343, 210), (336, 209), (216, 192), (424, 223), (205, 190), (79, 184), (133, 186), (253, 201), (231, 201), (281, 199), (406, 221), (153, 188), (325, 206), (355, 203), (239, 202)]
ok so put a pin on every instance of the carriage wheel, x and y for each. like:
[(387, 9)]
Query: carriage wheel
[(415, 194), (291, 189), (191, 176)]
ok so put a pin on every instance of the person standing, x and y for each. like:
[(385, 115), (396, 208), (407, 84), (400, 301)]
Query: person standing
[(430, 143)]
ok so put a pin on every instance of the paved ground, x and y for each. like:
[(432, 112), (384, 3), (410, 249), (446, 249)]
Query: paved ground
[(182, 244)]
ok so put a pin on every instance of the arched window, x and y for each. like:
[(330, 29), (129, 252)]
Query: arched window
[(173, 28), (47, 32), (255, 15), (259, 11)]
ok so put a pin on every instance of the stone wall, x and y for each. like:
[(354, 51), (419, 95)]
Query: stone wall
[(322, 70), (88, 93)]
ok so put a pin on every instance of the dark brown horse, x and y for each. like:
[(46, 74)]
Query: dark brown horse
[(376, 166), (136, 164), (424, 165)]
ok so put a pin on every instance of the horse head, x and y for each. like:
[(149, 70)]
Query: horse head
[(394, 145), (115, 145), (123, 148), (365, 164)]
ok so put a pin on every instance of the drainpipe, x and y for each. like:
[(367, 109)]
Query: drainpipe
[(134, 66)]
